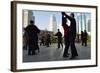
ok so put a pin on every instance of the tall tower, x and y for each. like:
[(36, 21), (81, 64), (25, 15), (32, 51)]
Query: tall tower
[(53, 24), (27, 16), (30, 16)]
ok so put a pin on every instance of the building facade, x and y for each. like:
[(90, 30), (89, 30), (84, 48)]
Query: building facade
[(27, 16), (53, 24)]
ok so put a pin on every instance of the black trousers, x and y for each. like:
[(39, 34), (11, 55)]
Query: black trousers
[(60, 42), (85, 42), (32, 47), (67, 44), (31, 50), (72, 43)]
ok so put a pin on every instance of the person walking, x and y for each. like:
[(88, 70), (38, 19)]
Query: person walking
[(85, 35), (59, 37), (82, 35)]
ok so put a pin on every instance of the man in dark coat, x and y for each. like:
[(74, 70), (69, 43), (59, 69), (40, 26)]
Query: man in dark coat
[(32, 31), (85, 35), (72, 34), (59, 35), (82, 40), (48, 39)]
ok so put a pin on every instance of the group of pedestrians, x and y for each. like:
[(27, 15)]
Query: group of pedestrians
[(84, 37), (45, 39)]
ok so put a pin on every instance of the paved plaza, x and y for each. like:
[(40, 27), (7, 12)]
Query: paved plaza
[(52, 53)]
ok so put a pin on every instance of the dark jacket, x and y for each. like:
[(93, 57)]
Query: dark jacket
[(32, 31), (72, 24), (65, 26)]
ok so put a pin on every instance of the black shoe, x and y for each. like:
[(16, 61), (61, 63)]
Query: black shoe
[(34, 53), (65, 56), (73, 57)]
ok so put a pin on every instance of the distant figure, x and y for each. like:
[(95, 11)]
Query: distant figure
[(85, 35), (66, 35), (42, 42), (72, 34), (48, 39), (82, 34), (25, 40), (59, 35), (32, 32)]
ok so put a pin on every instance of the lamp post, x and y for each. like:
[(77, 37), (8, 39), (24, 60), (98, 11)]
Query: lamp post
[(85, 21), (77, 17), (81, 23)]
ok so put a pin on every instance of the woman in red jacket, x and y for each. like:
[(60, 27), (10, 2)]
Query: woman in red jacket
[(66, 35)]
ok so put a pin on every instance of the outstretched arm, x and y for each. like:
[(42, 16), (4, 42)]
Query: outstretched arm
[(63, 19), (37, 29), (67, 16)]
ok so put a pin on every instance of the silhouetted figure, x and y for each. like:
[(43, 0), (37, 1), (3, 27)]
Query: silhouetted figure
[(82, 35), (45, 38), (25, 40), (66, 35), (42, 41), (48, 40), (85, 35), (32, 32), (72, 34), (59, 35)]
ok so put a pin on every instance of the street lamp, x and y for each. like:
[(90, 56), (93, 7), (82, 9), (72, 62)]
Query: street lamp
[(85, 21), (77, 17), (81, 22)]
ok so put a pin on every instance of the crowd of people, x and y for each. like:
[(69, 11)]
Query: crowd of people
[(31, 37), (45, 39)]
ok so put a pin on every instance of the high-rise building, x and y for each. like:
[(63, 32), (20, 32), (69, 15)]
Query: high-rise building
[(27, 16), (53, 24)]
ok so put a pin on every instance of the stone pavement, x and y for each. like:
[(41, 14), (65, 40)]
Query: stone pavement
[(53, 54)]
